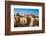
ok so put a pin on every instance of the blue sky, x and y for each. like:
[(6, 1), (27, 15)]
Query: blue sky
[(26, 11)]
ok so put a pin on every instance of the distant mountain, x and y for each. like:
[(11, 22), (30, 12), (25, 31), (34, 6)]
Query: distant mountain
[(21, 15)]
